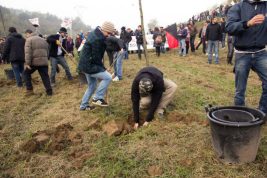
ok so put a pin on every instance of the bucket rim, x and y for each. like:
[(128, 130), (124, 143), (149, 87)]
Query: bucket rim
[(246, 112), (261, 121)]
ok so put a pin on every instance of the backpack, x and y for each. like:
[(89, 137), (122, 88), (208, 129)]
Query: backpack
[(158, 39)]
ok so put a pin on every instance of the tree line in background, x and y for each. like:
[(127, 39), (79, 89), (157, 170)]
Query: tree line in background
[(49, 24)]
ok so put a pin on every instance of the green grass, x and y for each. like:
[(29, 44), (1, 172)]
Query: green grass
[(180, 145)]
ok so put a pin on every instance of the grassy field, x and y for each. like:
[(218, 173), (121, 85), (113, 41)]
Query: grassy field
[(178, 146)]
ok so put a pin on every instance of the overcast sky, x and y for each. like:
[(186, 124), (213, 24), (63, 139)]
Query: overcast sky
[(120, 12)]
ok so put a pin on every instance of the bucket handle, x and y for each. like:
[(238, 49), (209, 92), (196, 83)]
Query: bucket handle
[(209, 108), (255, 120)]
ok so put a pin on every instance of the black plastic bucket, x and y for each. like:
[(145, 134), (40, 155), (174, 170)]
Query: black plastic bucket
[(237, 140), (9, 74)]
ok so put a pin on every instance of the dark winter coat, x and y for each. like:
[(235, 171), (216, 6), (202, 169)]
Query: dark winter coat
[(214, 32), (78, 42), (247, 38), (139, 37), (156, 76), (182, 34), (69, 46), (14, 48), (125, 36), (53, 47), (92, 53), (114, 44)]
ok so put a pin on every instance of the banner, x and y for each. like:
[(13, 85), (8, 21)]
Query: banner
[(67, 23), (34, 22), (133, 45), (150, 43)]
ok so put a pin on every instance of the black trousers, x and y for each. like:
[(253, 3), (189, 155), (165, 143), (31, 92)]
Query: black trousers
[(43, 71)]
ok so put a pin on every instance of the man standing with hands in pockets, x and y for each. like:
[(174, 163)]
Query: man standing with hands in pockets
[(247, 22)]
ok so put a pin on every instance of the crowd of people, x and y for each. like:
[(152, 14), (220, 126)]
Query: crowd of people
[(150, 89)]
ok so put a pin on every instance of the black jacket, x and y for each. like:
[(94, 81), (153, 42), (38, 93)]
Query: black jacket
[(156, 76), (139, 37), (91, 56), (125, 36), (53, 47), (14, 48), (114, 44), (214, 32)]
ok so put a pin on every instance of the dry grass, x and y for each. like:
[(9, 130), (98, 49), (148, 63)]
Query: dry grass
[(180, 145)]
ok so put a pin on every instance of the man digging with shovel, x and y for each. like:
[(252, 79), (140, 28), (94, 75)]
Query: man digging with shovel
[(91, 64)]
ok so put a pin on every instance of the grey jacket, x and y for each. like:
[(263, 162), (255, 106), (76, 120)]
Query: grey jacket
[(36, 51)]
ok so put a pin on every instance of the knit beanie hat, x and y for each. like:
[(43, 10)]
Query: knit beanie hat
[(145, 86), (108, 27)]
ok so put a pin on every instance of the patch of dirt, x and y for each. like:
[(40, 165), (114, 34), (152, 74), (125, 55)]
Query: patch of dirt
[(155, 171), (131, 121), (77, 157), (52, 141), (116, 128)]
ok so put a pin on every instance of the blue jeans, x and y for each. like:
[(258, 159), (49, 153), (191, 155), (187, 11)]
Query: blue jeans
[(18, 69), (62, 61), (213, 45), (243, 64), (118, 57), (105, 78), (126, 54), (182, 47)]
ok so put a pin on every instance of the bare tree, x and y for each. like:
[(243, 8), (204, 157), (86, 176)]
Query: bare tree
[(143, 31)]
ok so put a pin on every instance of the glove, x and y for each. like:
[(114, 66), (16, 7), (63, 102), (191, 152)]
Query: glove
[(58, 43)]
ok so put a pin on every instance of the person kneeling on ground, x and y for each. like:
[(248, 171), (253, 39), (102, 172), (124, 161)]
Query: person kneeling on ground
[(151, 91), (36, 57)]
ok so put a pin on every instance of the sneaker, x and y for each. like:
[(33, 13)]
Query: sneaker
[(88, 108), (116, 79), (100, 102), (160, 116)]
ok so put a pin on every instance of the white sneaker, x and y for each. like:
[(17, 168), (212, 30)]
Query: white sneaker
[(116, 79)]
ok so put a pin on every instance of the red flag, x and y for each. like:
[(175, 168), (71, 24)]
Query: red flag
[(171, 34)]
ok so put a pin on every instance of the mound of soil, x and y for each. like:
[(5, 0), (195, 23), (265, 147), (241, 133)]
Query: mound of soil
[(116, 128), (52, 141)]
